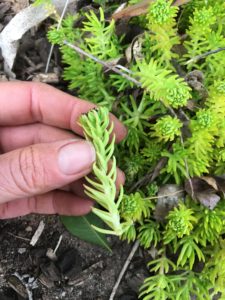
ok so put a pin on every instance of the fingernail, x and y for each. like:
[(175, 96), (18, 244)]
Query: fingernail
[(76, 157)]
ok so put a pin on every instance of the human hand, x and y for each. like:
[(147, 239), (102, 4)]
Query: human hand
[(42, 162)]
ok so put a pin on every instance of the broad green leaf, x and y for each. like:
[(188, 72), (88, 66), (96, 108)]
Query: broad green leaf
[(82, 228)]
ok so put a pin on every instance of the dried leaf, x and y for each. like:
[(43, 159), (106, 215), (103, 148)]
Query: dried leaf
[(133, 10), (195, 79), (140, 9), (128, 53), (206, 189), (220, 180), (121, 7), (180, 2), (192, 105), (17, 284), (168, 197), (211, 181), (134, 49)]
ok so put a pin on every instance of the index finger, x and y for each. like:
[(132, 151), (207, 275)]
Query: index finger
[(31, 102)]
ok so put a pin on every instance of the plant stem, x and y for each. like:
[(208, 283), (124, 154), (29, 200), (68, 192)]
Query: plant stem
[(197, 57), (58, 26), (114, 69)]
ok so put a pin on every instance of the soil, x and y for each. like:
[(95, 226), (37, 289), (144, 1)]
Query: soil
[(78, 270)]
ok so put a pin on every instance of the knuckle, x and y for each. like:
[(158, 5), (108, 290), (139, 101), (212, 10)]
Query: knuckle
[(32, 204), (31, 171)]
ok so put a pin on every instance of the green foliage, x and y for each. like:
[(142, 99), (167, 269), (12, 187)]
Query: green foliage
[(175, 287), (215, 269), (82, 228), (161, 21), (103, 42), (137, 116), (162, 13), (176, 130), (58, 35), (133, 140), (134, 168), (220, 164), (161, 285), (180, 223), (158, 287), (192, 283), (152, 151), (162, 85), (189, 250), (149, 234), (134, 207), (206, 33), (85, 75), (89, 81), (102, 189), (129, 234), (176, 165), (152, 189), (166, 128), (211, 225)]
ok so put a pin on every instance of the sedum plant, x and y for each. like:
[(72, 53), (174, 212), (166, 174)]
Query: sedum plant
[(102, 188), (161, 19), (90, 79), (175, 114)]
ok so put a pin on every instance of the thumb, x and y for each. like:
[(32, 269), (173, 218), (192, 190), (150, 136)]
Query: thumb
[(40, 168)]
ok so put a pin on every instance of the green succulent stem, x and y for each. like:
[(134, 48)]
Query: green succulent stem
[(102, 188)]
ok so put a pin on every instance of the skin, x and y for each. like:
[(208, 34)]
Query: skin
[(37, 121)]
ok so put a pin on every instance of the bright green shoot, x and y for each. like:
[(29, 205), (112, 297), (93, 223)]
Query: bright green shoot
[(102, 188)]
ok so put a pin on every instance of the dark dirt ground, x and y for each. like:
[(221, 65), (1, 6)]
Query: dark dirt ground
[(81, 271)]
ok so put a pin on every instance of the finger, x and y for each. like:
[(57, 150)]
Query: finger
[(120, 178), (40, 168), (45, 104), (14, 137), (56, 202)]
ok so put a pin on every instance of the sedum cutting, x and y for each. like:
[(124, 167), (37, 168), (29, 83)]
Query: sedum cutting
[(102, 188)]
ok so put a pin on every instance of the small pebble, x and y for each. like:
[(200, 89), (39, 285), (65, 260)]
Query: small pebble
[(63, 295), (28, 229), (51, 254), (22, 250)]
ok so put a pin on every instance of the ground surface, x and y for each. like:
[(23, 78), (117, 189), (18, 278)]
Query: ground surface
[(80, 270)]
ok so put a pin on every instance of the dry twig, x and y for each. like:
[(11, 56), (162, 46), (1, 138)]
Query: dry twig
[(164, 196), (200, 56), (19, 237), (58, 26), (122, 272), (113, 68)]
